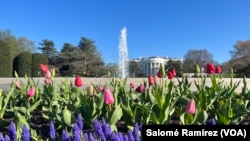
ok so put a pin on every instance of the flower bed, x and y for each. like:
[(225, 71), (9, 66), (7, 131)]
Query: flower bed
[(68, 110)]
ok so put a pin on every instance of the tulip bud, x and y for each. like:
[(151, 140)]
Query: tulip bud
[(190, 108), (31, 92), (173, 72), (217, 69), (210, 68), (90, 90), (47, 81), (131, 85), (140, 89), (170, 75), (44, 68), (18, 85), (159, 74), (78, 81), (48, 74), (109, 98), (100, 88), (151, 80)]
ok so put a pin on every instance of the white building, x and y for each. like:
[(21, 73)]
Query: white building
[(151, 65)]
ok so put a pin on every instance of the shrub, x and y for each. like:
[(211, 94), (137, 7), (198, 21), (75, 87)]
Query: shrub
[(22, 64), (5, 60), (38, 59)]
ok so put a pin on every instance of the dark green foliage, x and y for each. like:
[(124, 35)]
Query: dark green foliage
[(175, 64), (38, 59), (93, 63), (5, 60), (134, 69), (70, 60), (48, 49), (23, 63)]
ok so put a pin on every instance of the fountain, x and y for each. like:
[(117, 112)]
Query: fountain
[(123, 54)]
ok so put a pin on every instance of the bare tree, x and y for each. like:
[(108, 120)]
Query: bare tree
[(196, 57)]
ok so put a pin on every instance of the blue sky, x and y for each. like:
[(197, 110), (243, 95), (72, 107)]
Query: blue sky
[(154, 27)]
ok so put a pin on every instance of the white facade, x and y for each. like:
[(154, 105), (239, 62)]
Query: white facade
[(151, 65)]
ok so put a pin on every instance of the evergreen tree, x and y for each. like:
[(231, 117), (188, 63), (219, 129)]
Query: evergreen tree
[(48, 49), (92, 61), (70, 60)]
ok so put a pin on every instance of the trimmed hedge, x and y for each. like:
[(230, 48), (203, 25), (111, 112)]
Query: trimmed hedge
[(5, 60), (22, 64)]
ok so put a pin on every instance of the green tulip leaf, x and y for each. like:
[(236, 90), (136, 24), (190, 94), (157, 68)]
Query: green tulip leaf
[(152, 98), (99, 101), (20, 121), (117, 114), (23, 110), (200, 117), (34, 106), (113, 128), (45, 116)]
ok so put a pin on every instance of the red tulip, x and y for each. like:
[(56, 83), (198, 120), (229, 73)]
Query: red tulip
[(170, 75), (151, 80), (31, 92), (109, 98), (44, 68), (131, 85), (159, 74), (210, 68), (217, 69), (78, 81), (173, 72), (190, 108)]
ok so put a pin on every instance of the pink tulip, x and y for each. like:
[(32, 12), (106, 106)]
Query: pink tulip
[(140, 89), (190, 108), (47, 81), (48, 74), (131, 85), (18, 85), (100, 88), (109, 98), (31, 92)]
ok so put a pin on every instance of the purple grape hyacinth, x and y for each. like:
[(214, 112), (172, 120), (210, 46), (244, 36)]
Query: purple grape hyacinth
[(106, 129), (65, 136), (7, 138), (76, 133), (25, 134), (91, 137), (79, 122), (1, 137), (98, 130), (130, 136), (52, 131), (114, 137), (212, 121), (86, 136), (125, 138), (120, 136), (12, 131), (136, 132)]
